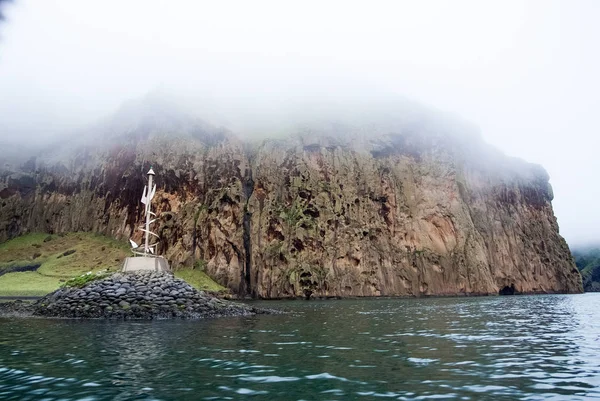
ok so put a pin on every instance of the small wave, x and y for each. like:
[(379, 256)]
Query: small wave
[(269, 379), (335, 391), (326, 376), (380, 395), (242, 391), (422, 361), (293, 343)]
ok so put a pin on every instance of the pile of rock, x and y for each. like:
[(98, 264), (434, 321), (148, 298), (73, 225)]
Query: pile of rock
[(16, 308), (139, 295)]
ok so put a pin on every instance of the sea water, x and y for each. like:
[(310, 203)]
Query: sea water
[(544, 347)]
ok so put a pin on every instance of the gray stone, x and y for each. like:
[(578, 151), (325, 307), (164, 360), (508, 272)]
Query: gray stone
[(135, 295)]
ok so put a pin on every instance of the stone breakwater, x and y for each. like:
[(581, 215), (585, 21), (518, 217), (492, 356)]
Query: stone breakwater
[(140, 295)]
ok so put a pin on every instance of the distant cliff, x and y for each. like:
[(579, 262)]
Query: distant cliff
[(587, 260), (381, 208)]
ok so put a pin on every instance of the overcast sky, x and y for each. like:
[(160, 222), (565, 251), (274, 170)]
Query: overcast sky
[(526, 72)]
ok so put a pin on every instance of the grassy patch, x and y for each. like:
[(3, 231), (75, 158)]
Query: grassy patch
[(199, 280), (21, 248), (84, 279), (27, 284), (61, 257), (65, 260)]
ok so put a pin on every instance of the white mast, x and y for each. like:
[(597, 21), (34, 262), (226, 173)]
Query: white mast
[(148, 211), (150, 260), (147, 195)]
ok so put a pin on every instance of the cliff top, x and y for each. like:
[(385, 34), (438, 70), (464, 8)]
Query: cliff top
[(379, 127)]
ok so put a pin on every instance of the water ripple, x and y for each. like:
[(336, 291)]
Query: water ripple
[(500, 348)]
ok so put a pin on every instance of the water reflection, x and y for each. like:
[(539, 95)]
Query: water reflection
[(542, 347)]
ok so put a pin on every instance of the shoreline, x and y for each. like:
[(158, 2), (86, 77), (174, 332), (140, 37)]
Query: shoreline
[(25, 307), (125, 296)]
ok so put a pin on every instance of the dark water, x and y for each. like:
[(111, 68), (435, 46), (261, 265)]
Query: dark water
[(499, 348)]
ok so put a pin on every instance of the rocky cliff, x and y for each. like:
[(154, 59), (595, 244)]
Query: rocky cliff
[(587, 260), (380, 208)]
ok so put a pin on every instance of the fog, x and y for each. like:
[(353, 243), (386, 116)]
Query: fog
[(525, 72)]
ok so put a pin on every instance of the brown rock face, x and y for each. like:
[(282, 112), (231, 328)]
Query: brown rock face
[(366, 211)]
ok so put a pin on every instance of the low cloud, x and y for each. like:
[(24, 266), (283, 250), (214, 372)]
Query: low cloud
[(525, 73)]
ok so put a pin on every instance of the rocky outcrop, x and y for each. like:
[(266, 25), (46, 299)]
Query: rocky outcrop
[(388, 208), (143, 295)]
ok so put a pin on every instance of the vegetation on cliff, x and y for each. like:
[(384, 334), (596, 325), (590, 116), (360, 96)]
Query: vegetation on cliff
[(588, 262), (200, 280), (37, 264)]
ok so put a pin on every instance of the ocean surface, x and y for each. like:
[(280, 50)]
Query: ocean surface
[(544, 347)]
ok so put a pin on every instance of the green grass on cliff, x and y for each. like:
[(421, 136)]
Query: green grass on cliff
[(199, 280), (27, 284), (588, 263), (60, 257)]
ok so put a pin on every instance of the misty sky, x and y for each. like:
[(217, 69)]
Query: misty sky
[(526, 72)]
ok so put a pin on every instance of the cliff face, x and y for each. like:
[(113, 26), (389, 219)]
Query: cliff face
[(587, 260), (347, 211)]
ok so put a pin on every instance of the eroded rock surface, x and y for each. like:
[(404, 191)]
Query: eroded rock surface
[(358, 210)]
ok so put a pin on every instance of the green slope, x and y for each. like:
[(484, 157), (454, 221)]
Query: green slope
[(588, 263), (200, 280), (36, 264)]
